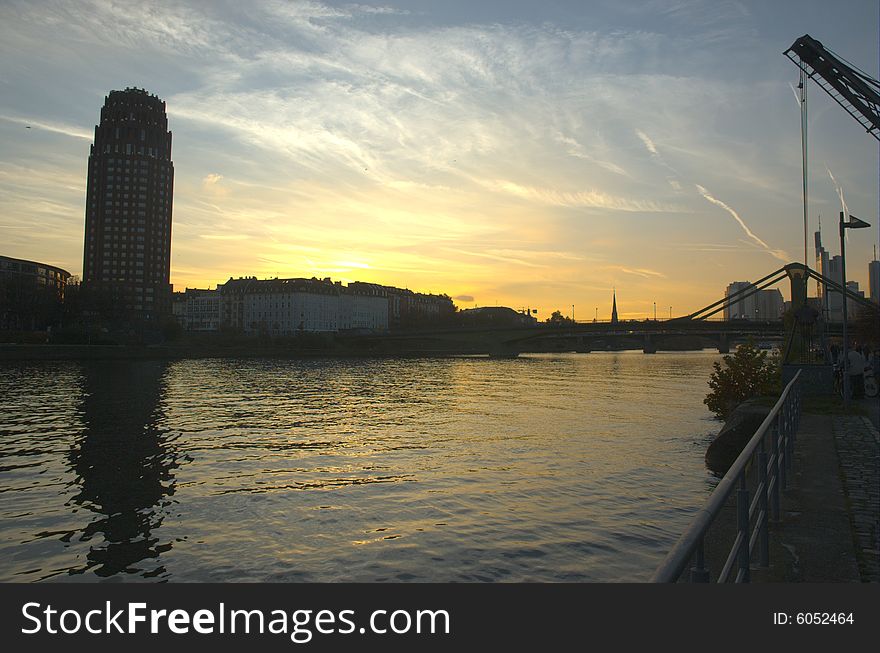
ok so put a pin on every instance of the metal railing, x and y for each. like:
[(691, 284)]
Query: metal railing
[(767, 460)]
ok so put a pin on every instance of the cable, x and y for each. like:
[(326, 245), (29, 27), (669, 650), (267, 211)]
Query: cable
[(861, 73)]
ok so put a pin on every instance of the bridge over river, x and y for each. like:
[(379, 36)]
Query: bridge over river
[(650, 336), (694, 331)]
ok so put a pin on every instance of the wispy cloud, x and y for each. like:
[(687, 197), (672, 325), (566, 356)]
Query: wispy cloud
[(580, 199), (777, 253), (707, 247), (514, 155), (224, 236), (648, 142), (57, 128), (496, 257), (385, 10), (577, 150), (797, 97), (839, 189), (652, 148), (639, 272)]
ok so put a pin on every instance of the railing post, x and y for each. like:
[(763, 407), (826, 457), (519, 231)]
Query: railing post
[(774, 464), (774, 496), (764, 537), (789, 439), (782, 449), (742, 524), (699, 573)]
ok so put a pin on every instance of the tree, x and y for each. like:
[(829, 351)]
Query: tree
[(170, 328), (558, 319), (747, 373), (26, 305), (866, 327)]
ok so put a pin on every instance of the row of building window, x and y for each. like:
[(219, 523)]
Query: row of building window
[(108, 276), (132, 165), (141, 177), (129, 148), (124, 221), (142, 134), (115, 215)]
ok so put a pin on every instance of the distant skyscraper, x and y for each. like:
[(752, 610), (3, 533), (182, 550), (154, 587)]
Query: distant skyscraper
[(834, 302), (127, 253), (768, 304), (822, 263), (741, 308), (853, 308), (874, 280)]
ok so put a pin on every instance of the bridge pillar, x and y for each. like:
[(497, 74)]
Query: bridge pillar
[(649, 346), (723, 344), (583, 346), (503, 350), (798, 279)]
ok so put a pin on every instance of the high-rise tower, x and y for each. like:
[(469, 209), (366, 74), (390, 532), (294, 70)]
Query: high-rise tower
[(127, 253), (874, 279)]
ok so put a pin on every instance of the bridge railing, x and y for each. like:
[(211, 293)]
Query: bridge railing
[(756, 476)]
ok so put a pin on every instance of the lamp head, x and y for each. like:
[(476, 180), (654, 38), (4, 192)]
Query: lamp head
[(855, 223)]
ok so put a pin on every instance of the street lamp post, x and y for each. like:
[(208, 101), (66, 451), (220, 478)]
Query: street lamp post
[(853, 223)]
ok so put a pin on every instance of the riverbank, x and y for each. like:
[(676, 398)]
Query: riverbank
[(50, 352), (252, 349)]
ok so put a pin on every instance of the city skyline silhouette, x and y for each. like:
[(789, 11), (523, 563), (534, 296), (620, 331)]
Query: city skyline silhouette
[(503, 155)]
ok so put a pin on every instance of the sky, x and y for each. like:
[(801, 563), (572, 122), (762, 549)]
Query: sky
[(523, 154)]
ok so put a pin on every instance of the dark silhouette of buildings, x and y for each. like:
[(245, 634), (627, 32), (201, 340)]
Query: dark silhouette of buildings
[(283, 307), (614, 307), (31, 294), (494, 316), (408, 309), (197, 309), (874, 279), (277, 307), (127, 253)]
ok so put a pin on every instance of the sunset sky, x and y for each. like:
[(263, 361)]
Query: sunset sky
[(528, 154)]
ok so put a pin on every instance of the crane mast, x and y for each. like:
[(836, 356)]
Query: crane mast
[(852, 89)]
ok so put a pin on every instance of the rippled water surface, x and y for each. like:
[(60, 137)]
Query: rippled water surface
[(580, 467)]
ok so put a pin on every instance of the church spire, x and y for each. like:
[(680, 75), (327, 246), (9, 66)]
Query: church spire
[(614, 307)]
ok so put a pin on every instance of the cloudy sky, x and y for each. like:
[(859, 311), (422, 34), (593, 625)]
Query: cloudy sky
[(521, 153)]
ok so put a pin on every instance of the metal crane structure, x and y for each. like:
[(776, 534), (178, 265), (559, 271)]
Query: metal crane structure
[(851, 88), (859, 95)]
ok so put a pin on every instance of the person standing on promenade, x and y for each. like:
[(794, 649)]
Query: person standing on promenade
[(856, 364)]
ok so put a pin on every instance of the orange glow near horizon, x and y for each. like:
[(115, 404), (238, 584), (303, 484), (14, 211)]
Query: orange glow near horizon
[(533, 163)]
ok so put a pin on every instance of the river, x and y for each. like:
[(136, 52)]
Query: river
[(548, 468)]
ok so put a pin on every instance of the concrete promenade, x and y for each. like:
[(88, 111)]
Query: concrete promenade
[(831, 510), (858, 450)]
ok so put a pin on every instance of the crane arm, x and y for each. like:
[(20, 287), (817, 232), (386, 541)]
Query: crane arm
[(855, 91)]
